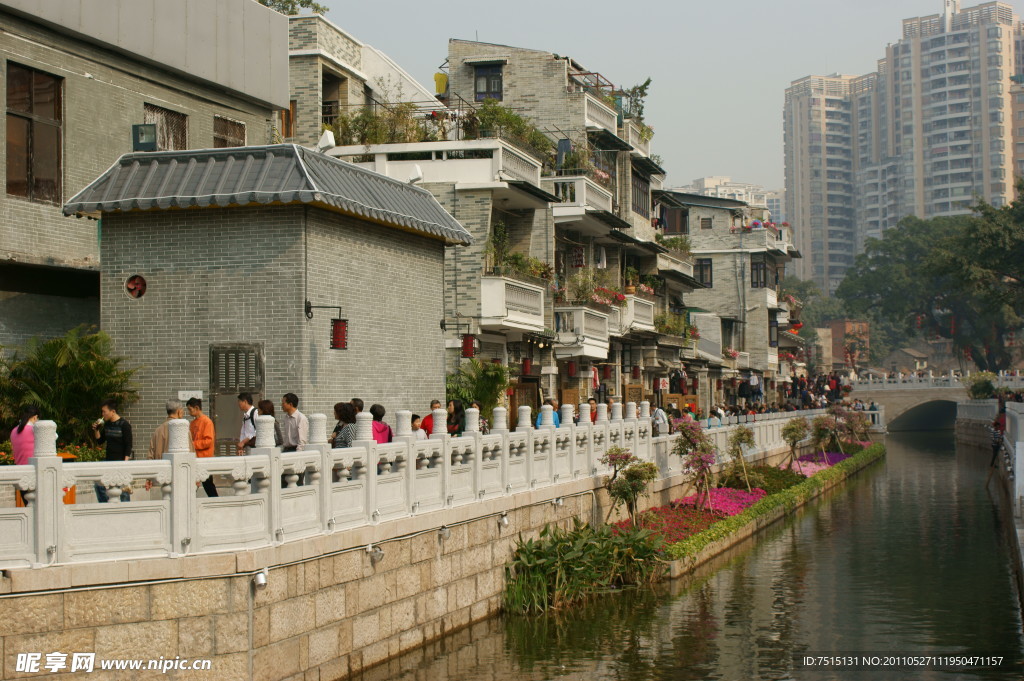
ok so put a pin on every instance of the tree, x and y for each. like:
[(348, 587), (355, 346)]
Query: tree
[(67, 378), (480, 381), (909, 279), (293, 7)]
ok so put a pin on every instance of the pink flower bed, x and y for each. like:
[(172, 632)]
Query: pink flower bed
[(806, 468), (725, 500)]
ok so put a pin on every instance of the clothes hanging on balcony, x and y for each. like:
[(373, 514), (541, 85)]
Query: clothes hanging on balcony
[(564, 147), (600, 258)]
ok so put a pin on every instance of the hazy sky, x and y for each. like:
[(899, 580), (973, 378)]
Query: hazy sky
[(719, 69)]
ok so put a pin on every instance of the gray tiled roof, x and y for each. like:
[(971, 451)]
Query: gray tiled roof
[(276, 174)]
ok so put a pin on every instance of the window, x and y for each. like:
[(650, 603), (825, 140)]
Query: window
[(227, 133), (758, 274), (488, 82), (705, 223), (773, 330), (286, 121), (34, 109), (677, 221), (171, 127), (702, 272), (641, 195)]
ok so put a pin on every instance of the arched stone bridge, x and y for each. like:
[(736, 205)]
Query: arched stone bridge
[(920, 403)]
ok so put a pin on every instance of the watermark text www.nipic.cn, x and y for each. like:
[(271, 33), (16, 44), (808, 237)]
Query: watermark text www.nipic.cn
[(32, 663)]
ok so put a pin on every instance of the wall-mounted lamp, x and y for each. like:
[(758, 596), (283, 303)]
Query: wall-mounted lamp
[(468, 345), (503, 520), (606, 371), (259, 579), (636, 371), (339, 326), (376, 553), (444, 533), (144, 137)]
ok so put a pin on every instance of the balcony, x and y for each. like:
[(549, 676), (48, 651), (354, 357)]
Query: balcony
[(637, 137), (580, 191), (469, 161), (599, 115), (638, 314), (581, 331), (507, 303)]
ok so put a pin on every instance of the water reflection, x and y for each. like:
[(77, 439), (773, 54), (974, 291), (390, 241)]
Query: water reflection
[(906, 558)]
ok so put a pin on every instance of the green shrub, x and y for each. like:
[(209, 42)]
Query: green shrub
[(564, 567), (768, 478)]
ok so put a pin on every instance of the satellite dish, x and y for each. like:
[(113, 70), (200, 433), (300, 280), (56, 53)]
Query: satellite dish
[(325, 142)]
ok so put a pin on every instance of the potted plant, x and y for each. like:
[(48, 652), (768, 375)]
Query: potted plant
[(632, 276)]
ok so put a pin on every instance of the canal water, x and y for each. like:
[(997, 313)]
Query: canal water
[(907, 559)]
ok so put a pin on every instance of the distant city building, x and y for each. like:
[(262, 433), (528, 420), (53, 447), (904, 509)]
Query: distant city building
[(924, 135)]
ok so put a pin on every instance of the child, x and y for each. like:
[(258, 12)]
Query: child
[(417, 427)]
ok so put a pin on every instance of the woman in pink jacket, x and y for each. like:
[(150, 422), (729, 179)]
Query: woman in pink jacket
[(23, 439)]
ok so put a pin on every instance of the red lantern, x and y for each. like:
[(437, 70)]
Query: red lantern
[(696, 383), (796, 325), (636, 371), (572, 369), (339, 334), (469, 345), (718, 384), (606, 371), (527, 366)]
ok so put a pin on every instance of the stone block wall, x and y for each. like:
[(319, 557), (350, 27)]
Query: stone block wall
[(248, 282)]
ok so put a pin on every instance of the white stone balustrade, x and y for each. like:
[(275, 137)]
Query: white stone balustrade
[(343, 488)]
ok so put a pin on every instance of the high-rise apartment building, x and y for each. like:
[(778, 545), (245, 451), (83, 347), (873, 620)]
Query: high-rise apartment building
[(924, 135), (819, 176), (724, 187)]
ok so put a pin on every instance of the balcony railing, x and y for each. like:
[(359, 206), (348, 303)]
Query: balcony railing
[(581, 331), (600, 115), (452, 161), (509, 303), (580, 190), (635, 136), (638, 315)]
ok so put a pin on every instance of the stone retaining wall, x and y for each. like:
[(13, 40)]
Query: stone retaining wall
[(328, 610)]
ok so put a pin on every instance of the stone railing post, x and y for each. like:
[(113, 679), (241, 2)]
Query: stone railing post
[(440, 423), (602, 413), (645, 410), (568, 413), (472, 420), (584, 413), (43, 494), (500, 420), (265, 431), (364, 426), (525, 421), (180, 488), (630, 414), (547, 416), (616, 411), (317, 429), (403, 424)]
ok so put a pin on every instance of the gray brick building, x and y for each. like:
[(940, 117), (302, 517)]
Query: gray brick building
[(247, 238), (77, 75)]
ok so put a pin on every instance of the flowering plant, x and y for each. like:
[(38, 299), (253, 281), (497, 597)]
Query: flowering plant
[(600, 300), (611, 295), (629, 479), (731, 353), (787, 356), (725, 500), (645, 289), (698, 454)]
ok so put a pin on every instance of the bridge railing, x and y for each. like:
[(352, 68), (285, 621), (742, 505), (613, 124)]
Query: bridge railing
[(914, 382), (276, 496), (1013, 454)]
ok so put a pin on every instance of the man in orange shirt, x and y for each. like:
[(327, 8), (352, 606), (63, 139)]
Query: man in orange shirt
[(201, 430)]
